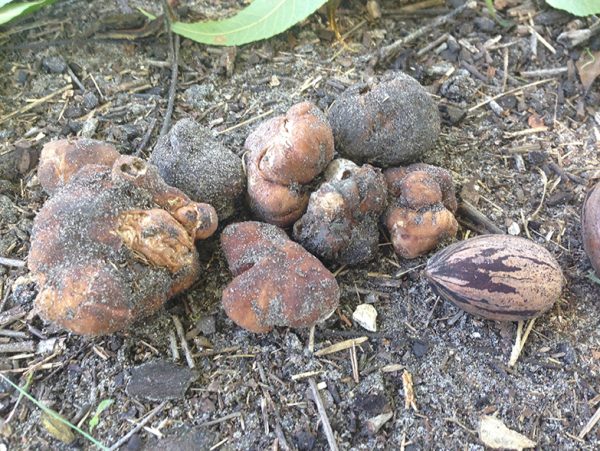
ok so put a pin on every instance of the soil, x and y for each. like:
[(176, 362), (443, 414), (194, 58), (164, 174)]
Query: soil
[(525, 160)]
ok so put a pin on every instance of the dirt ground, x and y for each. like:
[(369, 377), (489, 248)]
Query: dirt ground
[(530, 153)]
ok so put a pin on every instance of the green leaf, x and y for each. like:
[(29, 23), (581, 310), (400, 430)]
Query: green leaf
[(577, 7), (260, 20), (10, 11), (105, 404)]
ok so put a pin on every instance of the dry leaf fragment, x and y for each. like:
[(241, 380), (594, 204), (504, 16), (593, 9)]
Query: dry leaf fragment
[(588, 67), (57, 428), (496, 435), (535, 121)]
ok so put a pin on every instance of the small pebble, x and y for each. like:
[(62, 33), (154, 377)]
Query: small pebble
[(89, 127), (54, 64), (90, 101), (375, 423), (514, 229), (419, 348), (207, 325), (366, 316), (159, 380)]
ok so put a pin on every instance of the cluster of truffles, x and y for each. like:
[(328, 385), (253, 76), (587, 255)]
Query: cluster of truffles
[(116, 239)]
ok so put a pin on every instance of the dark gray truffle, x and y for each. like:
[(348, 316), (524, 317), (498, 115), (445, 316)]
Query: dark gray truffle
[(340, 224), (390, 123), (190, 158)]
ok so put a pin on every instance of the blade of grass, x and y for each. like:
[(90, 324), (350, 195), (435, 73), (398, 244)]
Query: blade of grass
[(53, 414)]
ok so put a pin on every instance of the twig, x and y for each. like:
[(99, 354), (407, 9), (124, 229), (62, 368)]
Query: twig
[(471, 213), (506, 93), (520, 341), (221, 420), (184, 344), (323, 414), (590, 424), (433, 44), (13, 262), (389, 52), (247, 121), (174, 51), (138, 427), (12, 315), (146, 139), (20, 346), (544, 72), (34, 104), (75, 79), (346, 344), (354, 361)]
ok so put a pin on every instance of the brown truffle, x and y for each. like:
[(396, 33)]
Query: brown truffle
[(284, 154), (590, 226), (61, 159), (420, 213), (113, 245), (340, 223), (277, 282)]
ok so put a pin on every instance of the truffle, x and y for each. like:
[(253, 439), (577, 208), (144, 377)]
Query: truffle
[(60, 160), (113, 245), (284, 155), (386, 124), (421, 206), (340, 223), (276, 282), (190, 158)]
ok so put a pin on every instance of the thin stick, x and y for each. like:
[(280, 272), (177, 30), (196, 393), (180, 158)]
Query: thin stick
[(340, 346), (247, 121), (544, 72), (13, 262), (174, 51), (471, 213), (146, 139), (35, 103), (506, 93), (323, 414), (590, 424), (389, 52), (354, 361), (138, 427), (433, 44), (520, 341), (20, 346), (184, 344), (221, 420)]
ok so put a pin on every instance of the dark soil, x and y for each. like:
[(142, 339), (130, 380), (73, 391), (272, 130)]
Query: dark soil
[(524, 160)]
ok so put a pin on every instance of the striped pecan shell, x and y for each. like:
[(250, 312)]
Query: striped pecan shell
[(499, 277), (590, 226)]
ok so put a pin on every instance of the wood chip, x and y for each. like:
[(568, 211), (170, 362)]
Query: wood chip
[(496, 435), (409, 392), (306, 374), (346, 344)]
